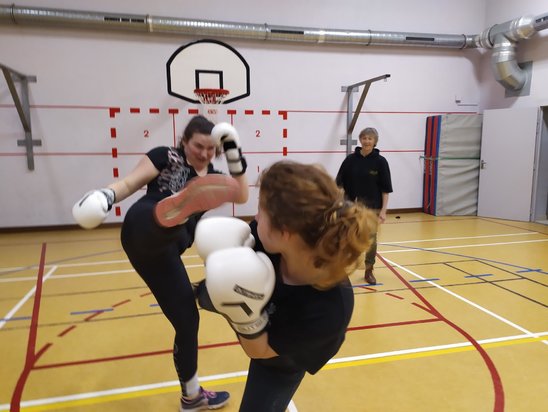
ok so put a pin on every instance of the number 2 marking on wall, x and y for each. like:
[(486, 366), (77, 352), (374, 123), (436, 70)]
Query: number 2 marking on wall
[(145, 133), (257, 133)]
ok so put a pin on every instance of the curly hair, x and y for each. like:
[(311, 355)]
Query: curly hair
[(304, 199)]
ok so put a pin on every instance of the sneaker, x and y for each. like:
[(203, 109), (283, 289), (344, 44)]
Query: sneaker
[(369, 277), (199, 195), (205, 400)]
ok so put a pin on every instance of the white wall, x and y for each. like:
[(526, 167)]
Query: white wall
[(81, 74)]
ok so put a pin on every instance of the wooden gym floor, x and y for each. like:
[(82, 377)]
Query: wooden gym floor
[(457, 322)]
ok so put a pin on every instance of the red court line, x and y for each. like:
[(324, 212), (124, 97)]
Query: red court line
[(31, 357), (132, 356), (393, 296), (210, 346), (67, 330), (386, 325), (495, 377)]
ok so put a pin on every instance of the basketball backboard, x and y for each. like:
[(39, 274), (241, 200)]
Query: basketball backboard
[(207, 64)]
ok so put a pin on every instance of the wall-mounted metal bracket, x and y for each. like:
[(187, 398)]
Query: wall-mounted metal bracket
[(351, 117), (23, 109)]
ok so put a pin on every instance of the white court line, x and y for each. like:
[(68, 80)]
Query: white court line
[(458, 238), (31, 292), (419, 249), (130, 389), (73, 265), (82, 275), (431, 348), (504, 320)]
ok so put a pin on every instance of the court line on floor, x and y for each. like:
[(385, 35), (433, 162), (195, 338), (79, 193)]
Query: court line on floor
[(440, 239), (395, 243), (498, 389), (91, 398), (410, 249), (31, 356), (25, 298), (475, 305)]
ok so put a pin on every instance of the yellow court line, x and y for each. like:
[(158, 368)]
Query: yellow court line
[(434, 352), (237, 379)]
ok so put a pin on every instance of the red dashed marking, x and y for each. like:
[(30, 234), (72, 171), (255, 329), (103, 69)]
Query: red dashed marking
[(121, 303), (173, 111), (145, 294), (367, 288), (67, 330), (394, 296), (154, 110), (249, 112), (231, 112), (192, 111), (265, 112), (118, 211), (422, 307), (134, 110), (113, 132), (115, 172), (114, 152), (90, 317), (284, 151), (284, 133), (283, 113), (113, 110)]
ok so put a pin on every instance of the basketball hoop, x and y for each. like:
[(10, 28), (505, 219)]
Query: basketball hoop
[(209, 98)]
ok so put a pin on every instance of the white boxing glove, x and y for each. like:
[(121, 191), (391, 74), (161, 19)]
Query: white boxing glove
[(215, 233), (239, 283), (90, 211), (226, 135)]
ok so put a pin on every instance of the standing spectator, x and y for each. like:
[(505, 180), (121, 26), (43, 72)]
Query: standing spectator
[(365, 176)]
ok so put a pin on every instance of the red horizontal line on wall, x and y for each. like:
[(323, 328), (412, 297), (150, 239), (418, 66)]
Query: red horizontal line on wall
[(142, 153), (230, 111), (375, 112), (58, 106)]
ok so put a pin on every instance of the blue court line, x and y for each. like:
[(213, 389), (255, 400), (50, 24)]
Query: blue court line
[(16, 318), (83, 312), (530, 270), (153, 304), (464, 256), (366, 284), (479, 276), (423, 280)]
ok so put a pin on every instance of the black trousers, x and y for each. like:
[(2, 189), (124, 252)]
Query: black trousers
[(155, 253), (269, 388)]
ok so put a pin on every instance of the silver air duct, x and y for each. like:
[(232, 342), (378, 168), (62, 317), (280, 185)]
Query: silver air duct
[(502, 37)]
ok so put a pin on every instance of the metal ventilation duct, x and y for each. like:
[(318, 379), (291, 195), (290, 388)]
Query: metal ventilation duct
[(503, 38)]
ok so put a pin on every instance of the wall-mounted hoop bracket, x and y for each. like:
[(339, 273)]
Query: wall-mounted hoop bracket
[(351, 115), (23, 109)]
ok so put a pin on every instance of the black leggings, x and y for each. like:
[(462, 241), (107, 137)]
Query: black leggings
[(155, 253), (269, 386)]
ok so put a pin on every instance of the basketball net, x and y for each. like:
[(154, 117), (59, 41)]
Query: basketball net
[(210, 100)]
